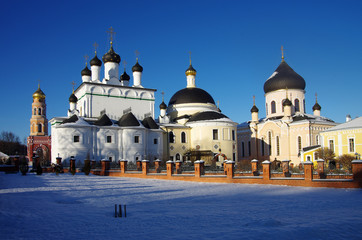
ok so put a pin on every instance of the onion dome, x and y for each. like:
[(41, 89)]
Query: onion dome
[(86, 71), (190, 71), (111, 56), (95, 61), (317, 106), (191, 95), (284, 77), (137, 67), (39, 94), (163, 105), (287, 102), (254, 109), (73, 98), (125, 76)]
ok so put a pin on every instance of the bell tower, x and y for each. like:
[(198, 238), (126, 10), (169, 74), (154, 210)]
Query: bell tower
[(38, 121)]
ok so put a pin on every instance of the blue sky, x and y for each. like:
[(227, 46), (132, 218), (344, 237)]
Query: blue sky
[(235, 47)]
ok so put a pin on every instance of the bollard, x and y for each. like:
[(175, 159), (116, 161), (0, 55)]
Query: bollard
[(120, 210)]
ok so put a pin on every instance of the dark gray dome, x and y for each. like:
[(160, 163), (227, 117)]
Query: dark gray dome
[(125, 76), (287, 102), (73, 98), (207, 115), (284, 77), (163, 105), (317, 107), (95, 61), (191, 95), (137, 67), (111, 56), (86, 71), (254, 109)]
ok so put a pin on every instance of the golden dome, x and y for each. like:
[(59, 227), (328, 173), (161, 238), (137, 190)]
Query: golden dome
[(190, 71), (39, 94)]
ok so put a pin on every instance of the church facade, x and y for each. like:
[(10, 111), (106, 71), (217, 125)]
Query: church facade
[(287, 128)]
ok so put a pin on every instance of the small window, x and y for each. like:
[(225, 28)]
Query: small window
[(136, 139), (317, 140), (249, 148), (278, 148), (215, 134), (242, 149), (308, 158), (262, 146), (109, 139), (155, 141), (273, 108), (178, 157), (233, 135), (183, 137), (76, 139), (299, 144), (296, 105), (34, 111), (266, 108), (171, 137), (351, 144), (110, 159), (270, 143), (39, 111), (331, 145), (39, 128)]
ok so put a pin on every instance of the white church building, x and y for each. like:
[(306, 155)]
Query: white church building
[(108, 118)]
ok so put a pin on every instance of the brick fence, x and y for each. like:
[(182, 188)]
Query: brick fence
[(173, 171)]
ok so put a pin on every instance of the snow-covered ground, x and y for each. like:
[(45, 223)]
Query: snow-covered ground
[(82, 207)]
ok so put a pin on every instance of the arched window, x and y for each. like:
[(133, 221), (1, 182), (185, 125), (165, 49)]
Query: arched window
[(317, 140), (34, 111), (278, 148), (283, 104), (296, 105), (171, 137), (266, 107), (249, 148), (270, 142), (178, 157), (183, 137), (303, 105), (242, 149), (262, 146), (39, 128), (299, 144), (39, 111), (273, 108)]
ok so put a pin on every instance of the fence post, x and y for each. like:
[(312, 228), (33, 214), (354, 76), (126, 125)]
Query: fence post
[(123, 165), (308, 171), (145, 166), (169, 168), (224, 166), (105, 167), (286, 168), (266, 170), (254, 167), (139, 165), (93, 164), (72, 164), (178, 167), (59, 160), (357, 169), (230, 169), (157, 166), (199, 168)]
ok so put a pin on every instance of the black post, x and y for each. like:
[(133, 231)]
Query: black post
[(120, 210), (125, 212), (115, 210)]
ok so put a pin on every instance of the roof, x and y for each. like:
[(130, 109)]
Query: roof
[(103, 121), (71, 119), (150, 123), (284, 77), (207, 115), (310, 148), (128, 120), (353, 124), (191, 95)]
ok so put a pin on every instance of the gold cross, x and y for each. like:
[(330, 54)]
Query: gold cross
[(282, 52), (218, 103), (73, 83), (86, 57), (95, 45), (124, 64), (190, 57), (163, 95), (39, 83), (137, 53), (316, 97), (254, 99), (111, 32)]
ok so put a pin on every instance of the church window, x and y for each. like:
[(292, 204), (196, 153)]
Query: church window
[(266, 108), (234, 157), (299, 144), (39, 111), (171, 137), (296, 105), (183, 137), (351, 144), (178, 157), (304, 104), (308, 158), (270, 143), (233, 135), (39, 128), (136, 139), (278, 148), (34, 111), (109, 139), (215, 134), (315, 155), (273, 108), (155, 141), (262, 146), (331, 145), (242, 149), (317, 140), (75, 138), (249, 148)]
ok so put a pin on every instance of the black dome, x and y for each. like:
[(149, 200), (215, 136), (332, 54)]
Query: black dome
[(254, 109), (284, 77), (95, 61), (137, 67), (73, 98), (125, 76), (191, 95), (86, 72), (163, 105), (317, 107), (111, 56), (287, 102), (207, 115)]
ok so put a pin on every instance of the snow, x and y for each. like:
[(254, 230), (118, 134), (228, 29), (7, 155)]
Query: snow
[(82, 207), (273, 75)]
